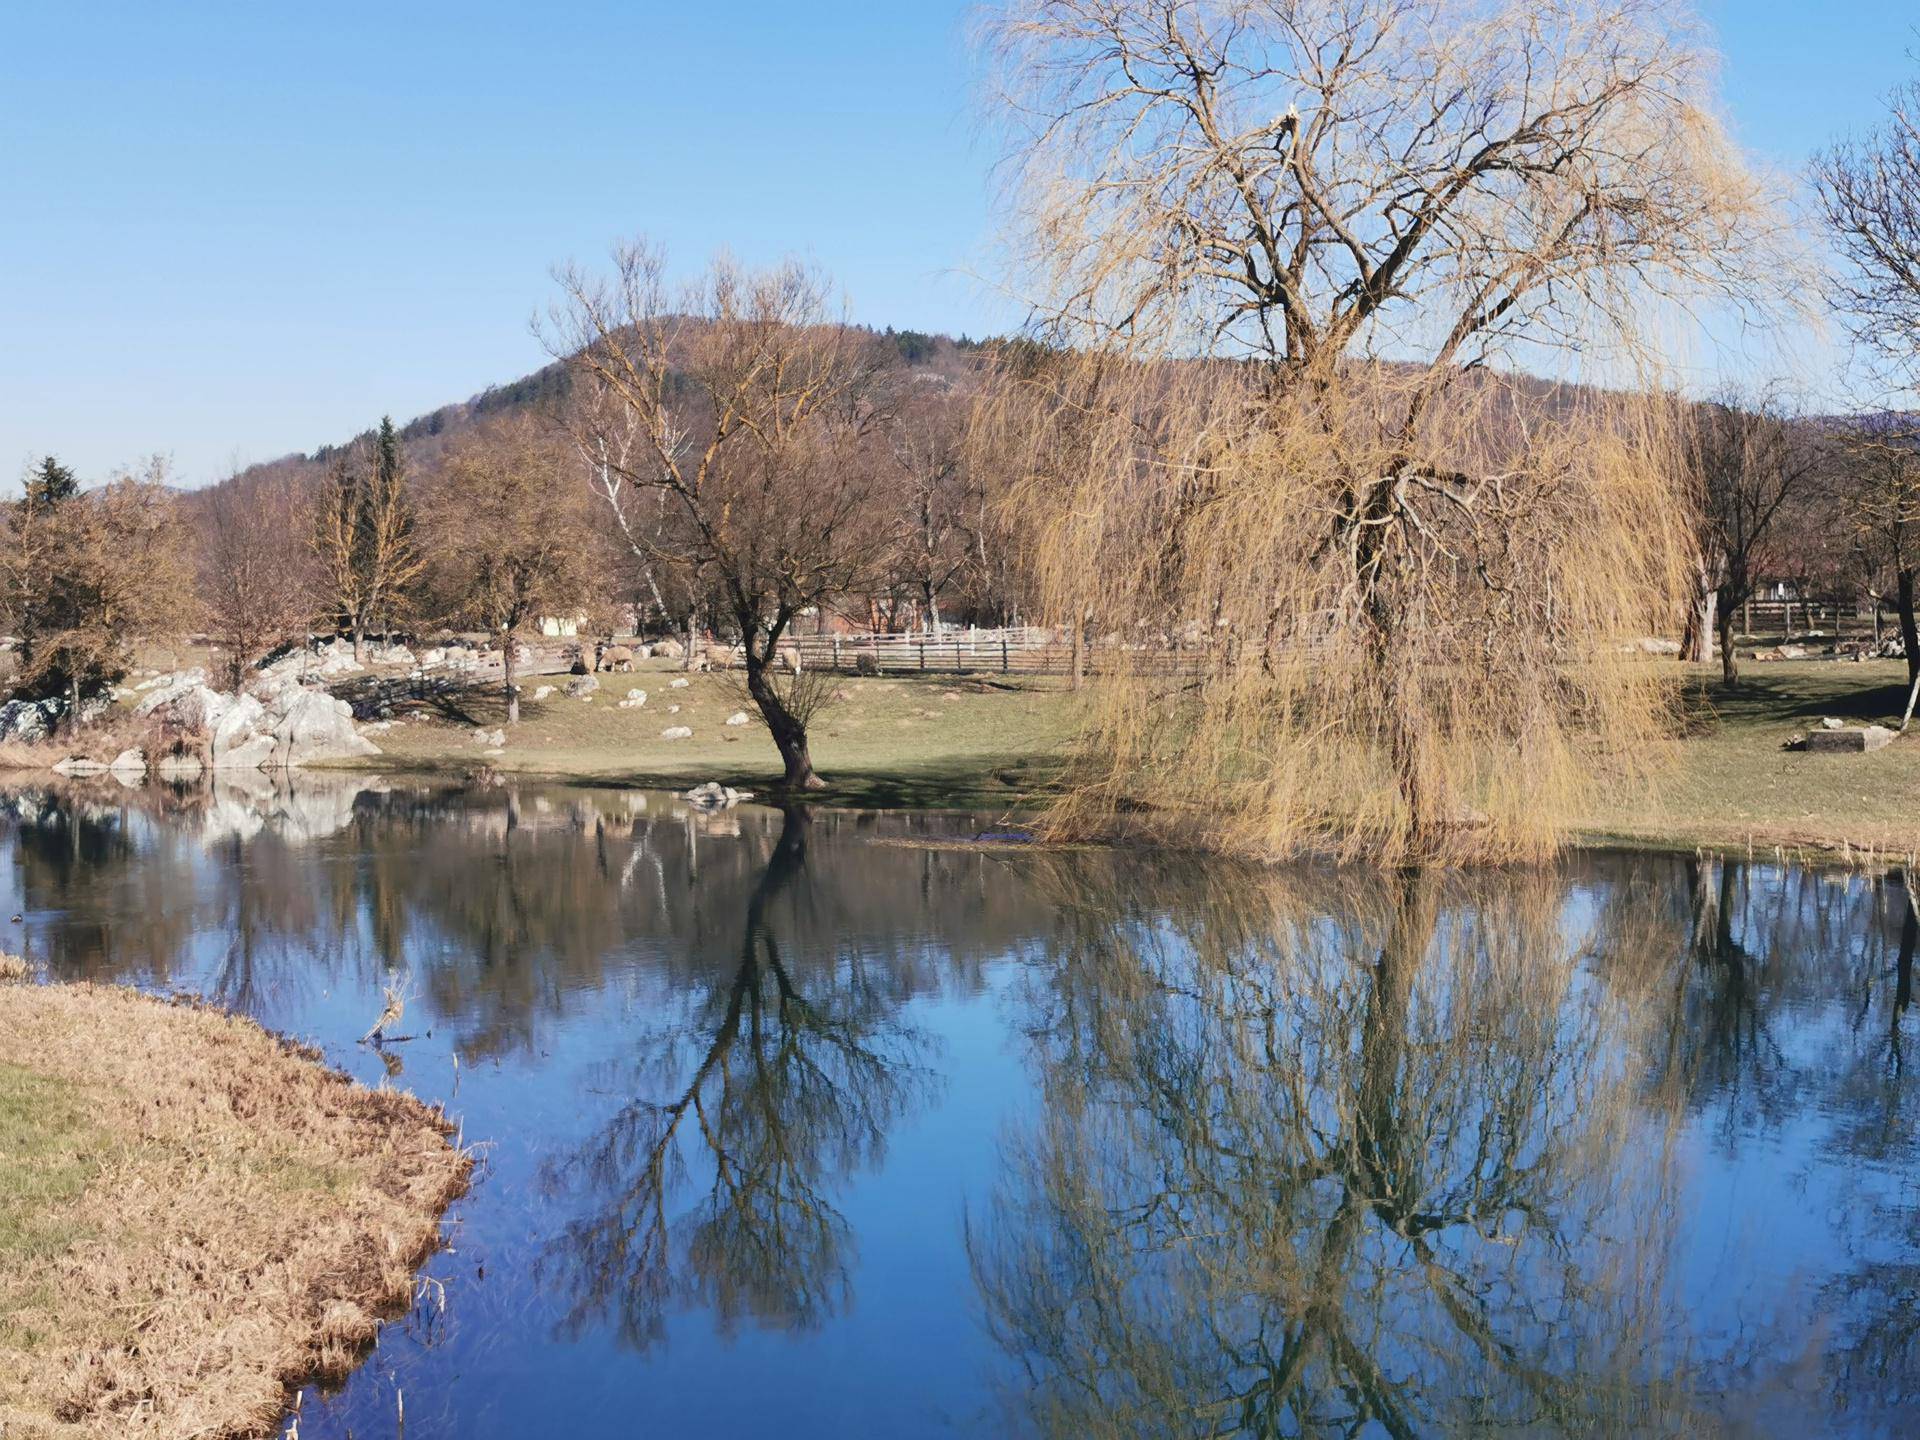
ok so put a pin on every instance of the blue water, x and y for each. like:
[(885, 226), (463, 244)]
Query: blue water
[(845, 1125)]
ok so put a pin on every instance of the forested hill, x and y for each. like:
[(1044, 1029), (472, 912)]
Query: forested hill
[(427, 435)]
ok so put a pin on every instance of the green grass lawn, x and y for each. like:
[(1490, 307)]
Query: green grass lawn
[(983, 741), (1734, 783), (995, 743)]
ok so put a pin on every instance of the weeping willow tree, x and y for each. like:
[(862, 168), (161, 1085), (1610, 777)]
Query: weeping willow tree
[(1284, 259)]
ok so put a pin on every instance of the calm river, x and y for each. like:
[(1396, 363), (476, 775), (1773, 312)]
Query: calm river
[(843, 1126)]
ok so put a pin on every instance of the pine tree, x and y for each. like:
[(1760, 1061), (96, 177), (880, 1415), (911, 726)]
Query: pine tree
[(50, 483)]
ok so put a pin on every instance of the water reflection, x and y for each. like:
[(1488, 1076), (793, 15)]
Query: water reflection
[(782, 1081), (790, 1123)]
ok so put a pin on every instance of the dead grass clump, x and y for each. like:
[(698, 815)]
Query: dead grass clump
[(201, 1217), (14, 969)]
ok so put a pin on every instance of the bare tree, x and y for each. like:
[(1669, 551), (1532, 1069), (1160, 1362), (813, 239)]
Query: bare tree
[(1284, 239), (1881, 490), (510, 543), (1869, 189), (754, 412), (940, 501), (1747, 460), (256, 580), (363, 536), (108, 570)]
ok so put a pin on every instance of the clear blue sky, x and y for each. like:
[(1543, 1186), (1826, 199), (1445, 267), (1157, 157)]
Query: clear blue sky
[(234, 230)]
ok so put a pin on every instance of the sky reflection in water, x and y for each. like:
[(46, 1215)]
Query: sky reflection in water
[(826, 1126)]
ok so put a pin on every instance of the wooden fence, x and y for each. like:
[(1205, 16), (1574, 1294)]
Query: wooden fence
[(1019, 650)]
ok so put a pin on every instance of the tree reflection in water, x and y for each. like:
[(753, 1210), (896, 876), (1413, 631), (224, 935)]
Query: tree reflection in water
[(1335, 1157), (717, 1186)]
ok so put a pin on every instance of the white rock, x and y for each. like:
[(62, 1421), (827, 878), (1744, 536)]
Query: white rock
[(542, 692), (637, 696), (676, 732), (738, 717), (680, 684), (673, 709), (79, 765), (129, 762)]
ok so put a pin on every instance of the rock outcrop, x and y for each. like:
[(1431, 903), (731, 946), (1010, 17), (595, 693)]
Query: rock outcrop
[(279, 724)]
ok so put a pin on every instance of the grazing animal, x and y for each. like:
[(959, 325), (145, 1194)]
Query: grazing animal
[(789, 656), (613, 657)]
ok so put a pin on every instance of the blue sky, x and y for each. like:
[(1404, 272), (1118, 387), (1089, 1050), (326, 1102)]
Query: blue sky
[(228, 231)]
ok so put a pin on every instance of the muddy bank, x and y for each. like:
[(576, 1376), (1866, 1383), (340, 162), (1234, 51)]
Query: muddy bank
[(196, 1217)]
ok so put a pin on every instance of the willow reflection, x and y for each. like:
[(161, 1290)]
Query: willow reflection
[(717, 1186), (1323, 1158)]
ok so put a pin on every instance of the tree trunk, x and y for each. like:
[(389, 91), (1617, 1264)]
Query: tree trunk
[(687, 662), (933, 609), (506, 678), (1909, 631), (1729, 665), (1079, 652), (788, 730), (1702, 621), (73, 704), (359, 643)]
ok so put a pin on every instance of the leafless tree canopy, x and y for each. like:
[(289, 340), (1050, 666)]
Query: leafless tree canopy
[(1869, 189), (1276, 242), (510, 543), (750, 411)]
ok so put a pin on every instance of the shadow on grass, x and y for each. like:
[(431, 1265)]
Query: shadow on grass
[(1801, 698)]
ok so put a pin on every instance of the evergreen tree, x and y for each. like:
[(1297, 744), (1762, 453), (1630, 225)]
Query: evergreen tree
[(50, 482)]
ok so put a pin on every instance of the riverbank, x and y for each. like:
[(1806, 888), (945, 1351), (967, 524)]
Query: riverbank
[(998, 743), (937, 741), (196, 1218)]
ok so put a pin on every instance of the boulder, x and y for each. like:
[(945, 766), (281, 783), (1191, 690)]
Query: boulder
[(738, 717), (676, 732), (129, 763), (670, 648), (680, 684), (1849, 739), (30, 720), (79, 765), (234, 741), (178, 767), (635, 699), (313, 726), (581, 686), (542, 692), (484, 736)]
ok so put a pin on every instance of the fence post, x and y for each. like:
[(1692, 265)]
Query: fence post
[(923, 652), (836, 654), (1003, 654)]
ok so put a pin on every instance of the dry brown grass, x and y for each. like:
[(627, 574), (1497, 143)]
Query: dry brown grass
[(13, 969), (195, 1217)]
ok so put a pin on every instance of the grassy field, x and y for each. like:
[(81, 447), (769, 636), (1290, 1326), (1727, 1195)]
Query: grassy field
[(993, 743), (193, 1217), (1735, 784), (941, 740)]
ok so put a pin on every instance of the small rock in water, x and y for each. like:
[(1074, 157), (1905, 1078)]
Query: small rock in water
[(715, 796)]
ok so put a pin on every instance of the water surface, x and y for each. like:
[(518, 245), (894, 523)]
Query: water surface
[(840, 1125)]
